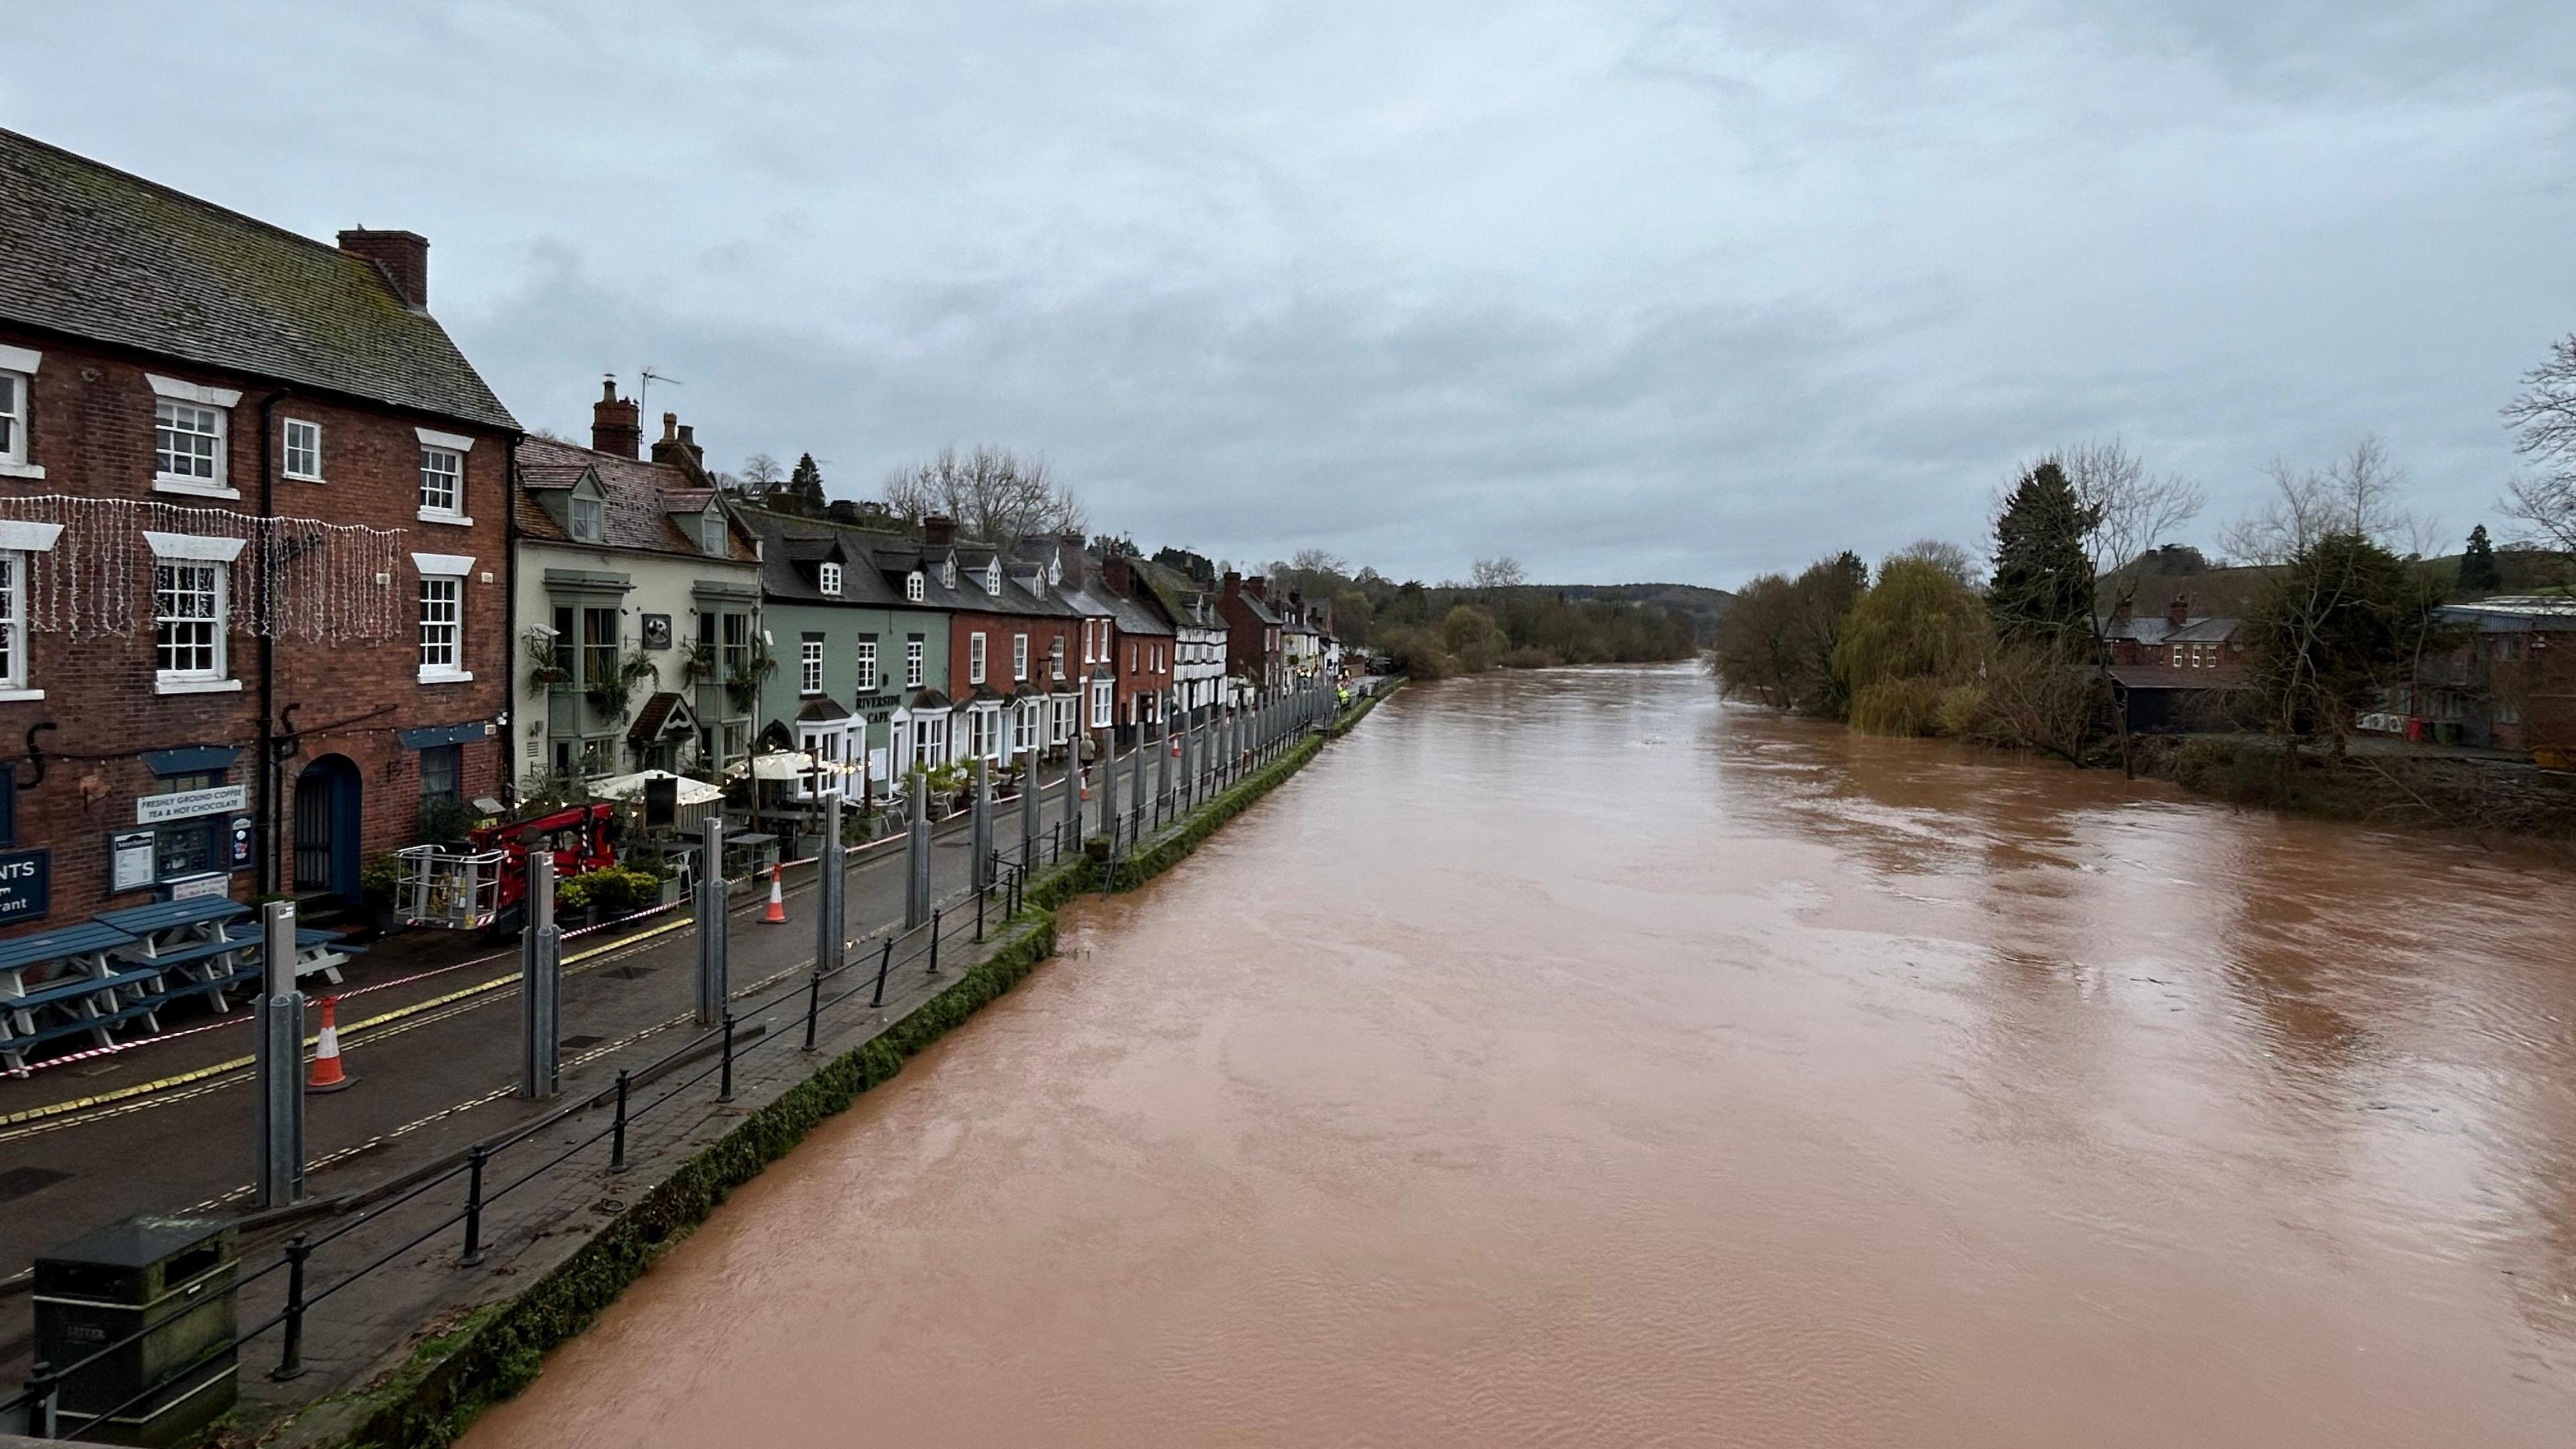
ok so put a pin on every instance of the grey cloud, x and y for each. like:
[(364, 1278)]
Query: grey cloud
[(1631, 290)]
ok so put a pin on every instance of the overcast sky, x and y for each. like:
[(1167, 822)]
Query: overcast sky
[(1633, 291)]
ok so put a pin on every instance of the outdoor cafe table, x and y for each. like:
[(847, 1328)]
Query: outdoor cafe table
[(196, 939)]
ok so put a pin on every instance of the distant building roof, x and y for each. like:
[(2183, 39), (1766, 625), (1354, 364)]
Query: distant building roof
[(639, 500), (93, 252), (2512, 614)]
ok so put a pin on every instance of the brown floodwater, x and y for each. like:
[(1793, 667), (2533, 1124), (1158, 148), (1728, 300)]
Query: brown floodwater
[(1573, 1059)]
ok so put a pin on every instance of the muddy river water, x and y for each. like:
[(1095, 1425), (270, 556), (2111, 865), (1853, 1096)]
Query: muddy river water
[(1572, 1059)]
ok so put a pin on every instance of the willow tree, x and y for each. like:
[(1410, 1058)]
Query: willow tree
[(1918, 632)]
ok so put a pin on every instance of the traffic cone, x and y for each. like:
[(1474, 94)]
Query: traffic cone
[(1086, 784), (776, 915), (327, 1076)]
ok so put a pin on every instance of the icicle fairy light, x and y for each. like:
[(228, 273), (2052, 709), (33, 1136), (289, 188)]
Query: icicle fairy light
[(296, 578)]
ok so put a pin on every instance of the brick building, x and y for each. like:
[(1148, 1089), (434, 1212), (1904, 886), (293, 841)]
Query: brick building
[(2507, 679), (1253, 656), (1143, 647), (254, 508)]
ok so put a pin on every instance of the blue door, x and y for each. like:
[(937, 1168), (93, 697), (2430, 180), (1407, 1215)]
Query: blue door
[(326, 827)]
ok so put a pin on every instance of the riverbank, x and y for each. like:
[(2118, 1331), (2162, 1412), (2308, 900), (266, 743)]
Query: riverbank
[(2372, 785), (475, 1355)]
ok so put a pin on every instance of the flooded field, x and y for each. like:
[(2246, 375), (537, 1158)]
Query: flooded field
[(1572, 1059)]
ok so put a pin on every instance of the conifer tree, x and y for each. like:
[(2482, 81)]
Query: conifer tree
[(2478, 573), (2043, 585), (806, 484)]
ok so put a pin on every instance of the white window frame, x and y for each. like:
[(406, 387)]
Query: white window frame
[(868, 683), (311, 445), (993, 578), (215, 556), (167, 415), (1101, 713), (19, 543), (948, 571), (444, 566), (432, 443), (914, 586), (18, 367), (1019, 657), (975, 658), (1055, 656), (711, 534), (809, 666), (1024, 726), (827, 579), (442, 628), (915, 665), (598, 530)]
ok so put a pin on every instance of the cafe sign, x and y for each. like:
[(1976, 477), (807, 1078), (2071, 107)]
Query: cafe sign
[(184, 804)]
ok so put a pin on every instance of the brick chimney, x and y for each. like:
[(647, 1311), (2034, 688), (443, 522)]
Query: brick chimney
[(1233, 588), (1115, 572), (403, 256), (2178, 613), (938, 530), (679, 446), (1258, 587), (615, 426), (1076, 564)]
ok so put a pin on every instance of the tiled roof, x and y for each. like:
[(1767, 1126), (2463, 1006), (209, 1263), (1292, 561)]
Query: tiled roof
[(640, 500), (2512, 614), (2217, 629), (657, 710), (92, 252)]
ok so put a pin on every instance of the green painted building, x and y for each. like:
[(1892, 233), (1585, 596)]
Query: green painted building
[(855, 658)]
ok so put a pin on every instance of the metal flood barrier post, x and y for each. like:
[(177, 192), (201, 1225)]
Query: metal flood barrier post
[(916, 855), (981, 872), (1136, 776), (280, 1177), (1163, 763), (1109, 787), (1028, 810), (831, 927), (712, 985), (540, 985), (1072, 815)]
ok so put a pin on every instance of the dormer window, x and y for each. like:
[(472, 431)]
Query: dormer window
[(1055, 571), (993, 577), (948, 573), (589, 520), (914, 586), (711, 532), (829, 579)]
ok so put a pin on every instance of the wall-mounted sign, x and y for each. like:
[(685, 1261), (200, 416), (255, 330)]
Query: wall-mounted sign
[(26, 885), (182, 804), (200, 885), (657, 631), (241, 842), (129, 861)]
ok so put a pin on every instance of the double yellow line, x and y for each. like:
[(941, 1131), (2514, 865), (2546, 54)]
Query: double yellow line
[(144, 1089)]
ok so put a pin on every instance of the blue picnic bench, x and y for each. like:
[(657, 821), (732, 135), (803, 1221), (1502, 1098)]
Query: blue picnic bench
[(126, 965), (75, 980)]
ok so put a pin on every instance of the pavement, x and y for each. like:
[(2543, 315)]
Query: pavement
[(434, 1047)]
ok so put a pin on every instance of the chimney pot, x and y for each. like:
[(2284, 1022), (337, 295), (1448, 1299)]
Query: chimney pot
[(938, 530), (2178, 612), (403, 257), (670, 427)]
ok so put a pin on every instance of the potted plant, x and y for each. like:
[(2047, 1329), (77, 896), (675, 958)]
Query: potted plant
[(547, 665), (378, 878), (609, 696), (742, 686)]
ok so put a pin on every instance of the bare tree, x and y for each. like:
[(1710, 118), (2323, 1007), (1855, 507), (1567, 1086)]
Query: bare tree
[(1944, 555), (2356, 494), (1497, 573), (760, 472), (2543, 418), (993, 493), (2129, 513)]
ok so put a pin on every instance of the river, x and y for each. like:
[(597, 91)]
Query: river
[(1570, 1058)]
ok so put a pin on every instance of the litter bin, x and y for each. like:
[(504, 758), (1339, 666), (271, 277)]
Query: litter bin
[(171, 1278)]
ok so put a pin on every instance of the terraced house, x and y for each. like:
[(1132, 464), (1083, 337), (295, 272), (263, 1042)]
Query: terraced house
[(1011, 649), (854, 651), (639, 596), (253, 513)]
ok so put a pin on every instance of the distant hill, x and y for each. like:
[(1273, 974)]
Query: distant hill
[(1705, 606)]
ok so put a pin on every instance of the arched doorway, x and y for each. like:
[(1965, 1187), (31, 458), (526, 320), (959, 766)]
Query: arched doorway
[(326, 827)]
